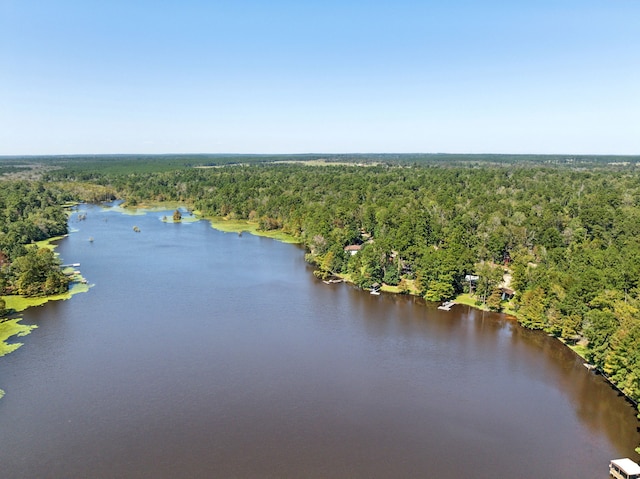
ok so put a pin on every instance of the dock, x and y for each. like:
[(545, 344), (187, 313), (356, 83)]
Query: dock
[(447, 306)]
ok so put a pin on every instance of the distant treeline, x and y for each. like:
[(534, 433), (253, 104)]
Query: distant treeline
[(154, 163)]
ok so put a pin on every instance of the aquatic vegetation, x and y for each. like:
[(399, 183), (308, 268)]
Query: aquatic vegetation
[(48, 243), (12, 327), (183, 219), (240, 226), (9, 328), (20, 303), (141, 209)]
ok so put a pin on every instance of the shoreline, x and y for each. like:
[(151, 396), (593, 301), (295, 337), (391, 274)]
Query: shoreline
[(241, 226), (228, 225), (11, 326)]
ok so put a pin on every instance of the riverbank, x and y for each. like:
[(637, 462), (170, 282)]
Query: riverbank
[(227, 225), (508, 309), (14, 304), (239, 226), (17, 303)]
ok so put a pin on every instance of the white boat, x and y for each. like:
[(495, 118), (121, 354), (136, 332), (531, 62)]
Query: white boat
[(624, 469)]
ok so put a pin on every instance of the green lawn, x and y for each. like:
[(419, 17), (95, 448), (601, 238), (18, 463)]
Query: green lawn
[(466, 298), (251, 227)]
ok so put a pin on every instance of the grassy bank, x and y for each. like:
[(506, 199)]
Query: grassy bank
[(244, 226), (469, 300), (20, 303), (48, 243), (406, 286)]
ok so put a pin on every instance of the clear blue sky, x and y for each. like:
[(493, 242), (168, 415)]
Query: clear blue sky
[(248, 76)]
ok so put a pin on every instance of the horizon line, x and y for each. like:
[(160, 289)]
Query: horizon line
[(39, 155)]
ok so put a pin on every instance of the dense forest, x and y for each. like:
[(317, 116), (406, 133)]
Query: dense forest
[(565, 231), (30, 212)]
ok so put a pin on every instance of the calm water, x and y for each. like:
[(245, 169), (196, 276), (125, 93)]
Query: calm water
[(204, 354)]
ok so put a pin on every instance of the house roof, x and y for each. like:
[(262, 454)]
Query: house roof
[(353, 247)]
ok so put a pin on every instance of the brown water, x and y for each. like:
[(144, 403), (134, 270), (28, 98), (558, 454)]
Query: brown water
[(204, 354)]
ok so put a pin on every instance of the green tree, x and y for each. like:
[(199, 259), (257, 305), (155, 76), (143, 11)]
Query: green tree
[(488, 278), (325, 265), (38, 273), (439, 289), (391, 275), (532, 309), (622, 361), (494, 301), (599, 327)]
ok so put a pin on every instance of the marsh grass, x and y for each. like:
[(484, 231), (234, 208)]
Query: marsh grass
[(241, 226), (20, 303), (184, 219), (144, 207), (225, 225), (48, 243), (9, 328)]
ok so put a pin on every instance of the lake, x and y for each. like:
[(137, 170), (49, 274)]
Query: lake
[(198, 353)]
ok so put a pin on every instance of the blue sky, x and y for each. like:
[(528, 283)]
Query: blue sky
[(242, 76)]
